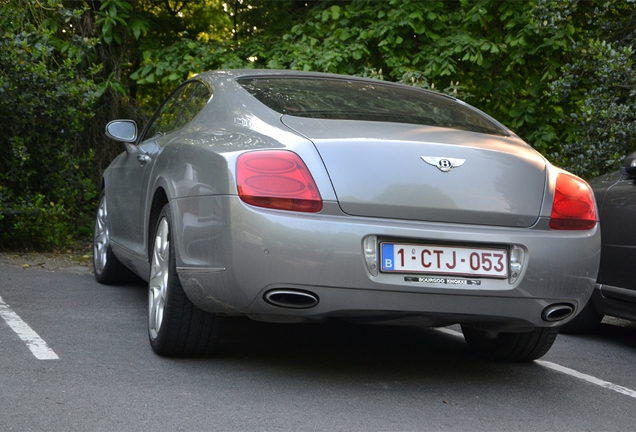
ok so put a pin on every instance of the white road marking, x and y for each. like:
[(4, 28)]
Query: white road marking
[(35, 343), (588, 378), (565, 370)]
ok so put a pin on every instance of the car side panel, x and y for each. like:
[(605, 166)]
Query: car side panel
[(618, 220), (616, 302), (124, 188)]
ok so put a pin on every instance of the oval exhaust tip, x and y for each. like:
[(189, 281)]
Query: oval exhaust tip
[(291, 299), (557, 312)]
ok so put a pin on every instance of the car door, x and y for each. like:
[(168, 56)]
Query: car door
[(618, 228), (129, 182)]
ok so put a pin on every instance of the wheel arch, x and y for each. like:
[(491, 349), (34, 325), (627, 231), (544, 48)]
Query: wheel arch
[(159, 200)]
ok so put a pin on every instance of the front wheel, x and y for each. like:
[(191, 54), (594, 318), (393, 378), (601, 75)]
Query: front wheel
[(176, 327), (107, 268), (510, 346)]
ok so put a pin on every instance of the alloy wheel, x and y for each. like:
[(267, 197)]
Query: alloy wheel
[(101, 239), (158, 285)]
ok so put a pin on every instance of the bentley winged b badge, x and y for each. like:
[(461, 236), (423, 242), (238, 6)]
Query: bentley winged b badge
[(444, 164)]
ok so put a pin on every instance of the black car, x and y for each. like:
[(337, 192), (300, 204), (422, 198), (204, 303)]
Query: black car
[(615, 292)]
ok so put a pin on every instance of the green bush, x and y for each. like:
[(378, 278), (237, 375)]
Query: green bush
[(45, 193), (597, 90)]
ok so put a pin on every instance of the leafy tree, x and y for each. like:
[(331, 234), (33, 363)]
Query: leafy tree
[(496, 50), (123, 29), (64, 68), (45, 193), (559, 73), (598, 87), (496, 55)]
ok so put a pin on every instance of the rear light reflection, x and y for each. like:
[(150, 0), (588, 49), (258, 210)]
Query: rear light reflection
[(573, 207), (277, 179)]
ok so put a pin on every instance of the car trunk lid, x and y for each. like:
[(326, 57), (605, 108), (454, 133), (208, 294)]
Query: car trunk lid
[(392, 170)]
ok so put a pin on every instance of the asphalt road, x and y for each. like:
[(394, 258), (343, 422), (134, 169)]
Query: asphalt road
[(270, 377)]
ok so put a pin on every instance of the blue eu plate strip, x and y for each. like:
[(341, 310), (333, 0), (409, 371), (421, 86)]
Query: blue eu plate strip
[(387, 257)]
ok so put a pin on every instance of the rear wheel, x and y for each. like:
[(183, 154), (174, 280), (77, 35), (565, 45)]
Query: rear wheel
[(510, 346), (107, 268), (587, 321), (176, 327)]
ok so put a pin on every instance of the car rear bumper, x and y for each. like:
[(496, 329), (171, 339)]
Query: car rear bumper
[(230, 256)]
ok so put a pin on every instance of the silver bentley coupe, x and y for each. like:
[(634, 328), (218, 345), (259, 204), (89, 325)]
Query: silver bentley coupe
[(293, 197)]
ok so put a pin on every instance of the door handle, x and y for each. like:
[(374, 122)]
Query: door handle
[(143, 159)]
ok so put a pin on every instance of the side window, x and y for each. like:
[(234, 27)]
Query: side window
[(175, 111), (199, 98)]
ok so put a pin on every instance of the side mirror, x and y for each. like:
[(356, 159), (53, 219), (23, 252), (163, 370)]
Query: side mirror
[(122, 130), (629, 166)]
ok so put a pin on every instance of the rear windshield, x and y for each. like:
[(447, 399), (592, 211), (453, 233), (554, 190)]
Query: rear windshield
[(342, 99)]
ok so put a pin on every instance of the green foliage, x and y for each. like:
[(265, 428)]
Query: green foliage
[(603, 120), (499, 56), (45, 194), (498, 52), (559, 73), (598, 91), (113, 18), (184, 58)]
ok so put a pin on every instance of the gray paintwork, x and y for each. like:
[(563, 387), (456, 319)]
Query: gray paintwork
[(377, 170), (373, 182)]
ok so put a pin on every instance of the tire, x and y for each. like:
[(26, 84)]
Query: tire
[(520, 347), (176, 327), (107, 268), (587, 321)]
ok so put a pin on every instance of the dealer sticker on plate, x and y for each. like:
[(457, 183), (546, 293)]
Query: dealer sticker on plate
[(446, 260)]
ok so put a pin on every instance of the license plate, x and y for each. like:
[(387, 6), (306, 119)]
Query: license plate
[(448, 260)]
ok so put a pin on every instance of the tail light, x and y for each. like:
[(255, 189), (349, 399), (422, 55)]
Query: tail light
[(573, 207), (277, 179)]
